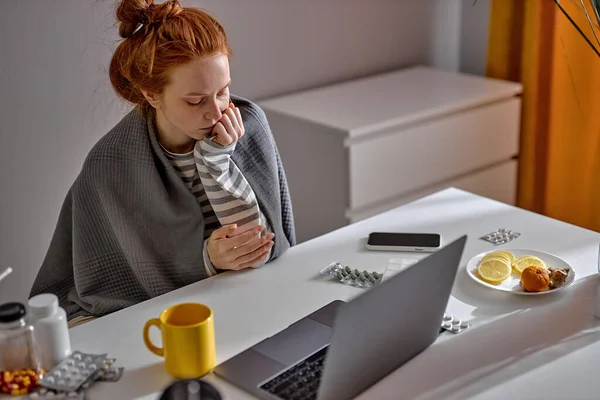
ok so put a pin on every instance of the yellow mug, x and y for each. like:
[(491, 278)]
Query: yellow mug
[(188, 337)]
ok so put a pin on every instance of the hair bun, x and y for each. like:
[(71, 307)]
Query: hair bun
[(133, 13), (158, 13)]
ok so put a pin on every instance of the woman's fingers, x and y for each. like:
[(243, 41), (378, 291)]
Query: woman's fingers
[(253, 258), (238, 240), (222, 137), (231, 132), (251, 246), (233, 126), (238, 116)]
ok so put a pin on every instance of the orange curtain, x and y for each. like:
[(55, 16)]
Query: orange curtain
[(559, 163)]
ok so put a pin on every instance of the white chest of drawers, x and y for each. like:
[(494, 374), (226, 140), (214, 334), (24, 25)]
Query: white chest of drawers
[(358, 148)]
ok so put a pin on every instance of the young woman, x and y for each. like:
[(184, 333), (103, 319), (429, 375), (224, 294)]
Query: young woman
[(188, 184)]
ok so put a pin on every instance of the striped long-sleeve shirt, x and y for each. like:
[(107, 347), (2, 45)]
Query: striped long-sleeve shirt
[(220, 188), (186, 169), (229, 193)]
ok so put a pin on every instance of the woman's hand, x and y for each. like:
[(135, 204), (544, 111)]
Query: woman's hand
[(239, 251), (230, 127)]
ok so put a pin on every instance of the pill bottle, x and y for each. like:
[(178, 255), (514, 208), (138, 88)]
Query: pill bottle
[(19, 363), (51, 331)]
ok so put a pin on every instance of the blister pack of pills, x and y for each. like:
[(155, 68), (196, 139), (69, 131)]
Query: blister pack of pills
[(108, 372), (501, 236), (73, 376), (350, 276), (44, 394), (453, 324), (73, 371)]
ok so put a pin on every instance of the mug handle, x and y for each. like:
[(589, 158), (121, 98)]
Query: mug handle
[(156, 350)]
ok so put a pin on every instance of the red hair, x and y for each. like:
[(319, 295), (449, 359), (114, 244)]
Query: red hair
[(157, 38)]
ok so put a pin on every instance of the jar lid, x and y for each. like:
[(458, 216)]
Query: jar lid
[(11, 312), (43, 305)]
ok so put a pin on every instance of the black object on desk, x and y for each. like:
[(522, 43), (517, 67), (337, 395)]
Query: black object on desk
[(192, 389)]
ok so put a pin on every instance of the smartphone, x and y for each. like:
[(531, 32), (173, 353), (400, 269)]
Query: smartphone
[(412, 242)]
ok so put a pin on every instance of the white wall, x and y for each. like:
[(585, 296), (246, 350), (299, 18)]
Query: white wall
[(56, 100), (446, 34), (459, 35), (474, 36)]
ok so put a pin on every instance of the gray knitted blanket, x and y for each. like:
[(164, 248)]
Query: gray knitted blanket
[(129, 229)]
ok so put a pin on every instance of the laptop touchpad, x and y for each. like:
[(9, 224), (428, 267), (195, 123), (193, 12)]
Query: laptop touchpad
[(296, 342)]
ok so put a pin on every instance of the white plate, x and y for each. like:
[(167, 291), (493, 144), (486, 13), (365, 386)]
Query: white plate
[(511, 284)]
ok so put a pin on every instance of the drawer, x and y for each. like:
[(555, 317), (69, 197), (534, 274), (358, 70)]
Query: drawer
[(421, 155), (498, 183)]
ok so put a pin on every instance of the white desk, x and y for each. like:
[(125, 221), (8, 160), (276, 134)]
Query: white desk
[(519, 347)]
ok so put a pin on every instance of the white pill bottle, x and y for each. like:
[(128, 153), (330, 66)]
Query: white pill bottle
[(51, 331)]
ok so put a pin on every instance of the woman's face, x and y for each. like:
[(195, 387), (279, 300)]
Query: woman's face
[(193, 102)]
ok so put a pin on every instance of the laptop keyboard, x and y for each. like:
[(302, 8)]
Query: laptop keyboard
[(301, 382)]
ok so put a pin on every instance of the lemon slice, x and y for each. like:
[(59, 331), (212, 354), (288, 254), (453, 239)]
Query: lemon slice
[(527, 261), (510, 255), (506, 255), (494, 270)]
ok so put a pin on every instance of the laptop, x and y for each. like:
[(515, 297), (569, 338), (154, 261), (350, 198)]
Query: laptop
[(342, 349)]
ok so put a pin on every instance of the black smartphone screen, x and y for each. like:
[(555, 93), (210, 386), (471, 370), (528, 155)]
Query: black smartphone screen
[(404, 239)]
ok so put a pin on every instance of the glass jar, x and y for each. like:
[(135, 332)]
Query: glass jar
[(19, 365)]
